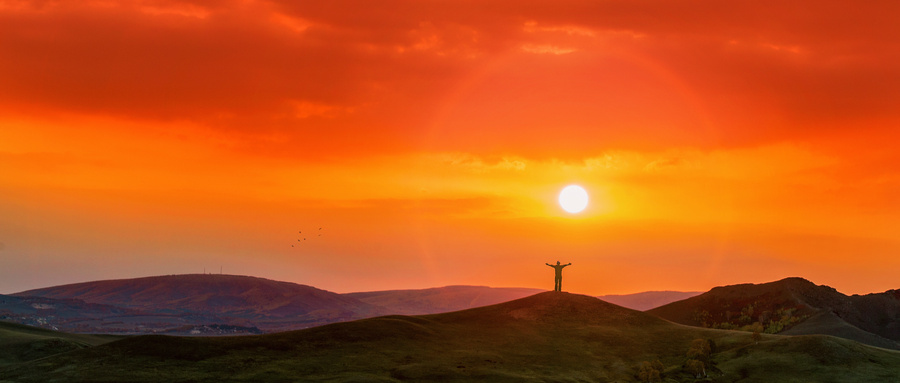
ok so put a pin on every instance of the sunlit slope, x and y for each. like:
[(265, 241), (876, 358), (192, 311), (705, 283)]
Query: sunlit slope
[(545, 337)]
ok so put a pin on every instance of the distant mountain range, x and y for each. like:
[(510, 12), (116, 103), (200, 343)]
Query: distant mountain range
[(212, 304), (793, 306), (159, 304), (649, 299), (190, 304), (441, 299), (549, 336)]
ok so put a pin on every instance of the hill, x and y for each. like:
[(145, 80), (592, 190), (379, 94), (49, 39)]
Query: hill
[(793, 306), (22, 343), (648, 299), (546, 337), (54, 314), (440, 299), (213, 298), (189, 304)]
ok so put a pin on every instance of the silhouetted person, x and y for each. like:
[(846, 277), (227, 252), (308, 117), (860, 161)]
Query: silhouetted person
[(557, 283)]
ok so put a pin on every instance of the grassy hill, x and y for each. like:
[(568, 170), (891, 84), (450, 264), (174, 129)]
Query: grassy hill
[(20, 343), (793, 306), (548, 337), (185, 303)]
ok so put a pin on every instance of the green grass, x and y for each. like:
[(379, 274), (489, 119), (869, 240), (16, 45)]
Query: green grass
[(810, 358), (20, 343), (552, 337)]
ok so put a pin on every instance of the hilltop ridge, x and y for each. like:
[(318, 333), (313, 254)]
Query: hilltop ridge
[(216, 298), (205, 293), (559, 307)]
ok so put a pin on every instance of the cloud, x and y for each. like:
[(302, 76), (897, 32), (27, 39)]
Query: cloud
[(534, 78), (475, 164), (543, 49), (184, 128), (662, 164)]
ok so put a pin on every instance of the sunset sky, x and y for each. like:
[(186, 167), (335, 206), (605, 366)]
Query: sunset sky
[(721, 142)]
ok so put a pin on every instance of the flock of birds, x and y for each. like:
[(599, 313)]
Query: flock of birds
[(302, 238)]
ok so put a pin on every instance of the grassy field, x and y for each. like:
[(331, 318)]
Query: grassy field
[(20, 343), (549, 337)]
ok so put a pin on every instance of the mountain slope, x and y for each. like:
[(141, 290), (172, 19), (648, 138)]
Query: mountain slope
[(440, 299), (54, 313), (878, 313), (217, 298), (546, 337), (793, 306), (648, 299)]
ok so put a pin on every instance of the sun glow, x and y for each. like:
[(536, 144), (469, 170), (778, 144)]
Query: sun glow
[(573, 199)]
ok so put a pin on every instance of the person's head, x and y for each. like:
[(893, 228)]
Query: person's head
[(557, 262)]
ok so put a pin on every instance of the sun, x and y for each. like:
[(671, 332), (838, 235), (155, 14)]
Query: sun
[(573, 199)]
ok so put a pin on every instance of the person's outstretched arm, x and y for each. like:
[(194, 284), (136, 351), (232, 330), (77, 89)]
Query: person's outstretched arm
[(569, 264), (548, 264)]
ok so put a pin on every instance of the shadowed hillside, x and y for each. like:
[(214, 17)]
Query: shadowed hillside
[(877, 313), (213, 298), (441, 299), (793, 306), (20, 343), (546, 337)]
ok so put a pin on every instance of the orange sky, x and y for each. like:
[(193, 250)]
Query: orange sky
[(721, 142)]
